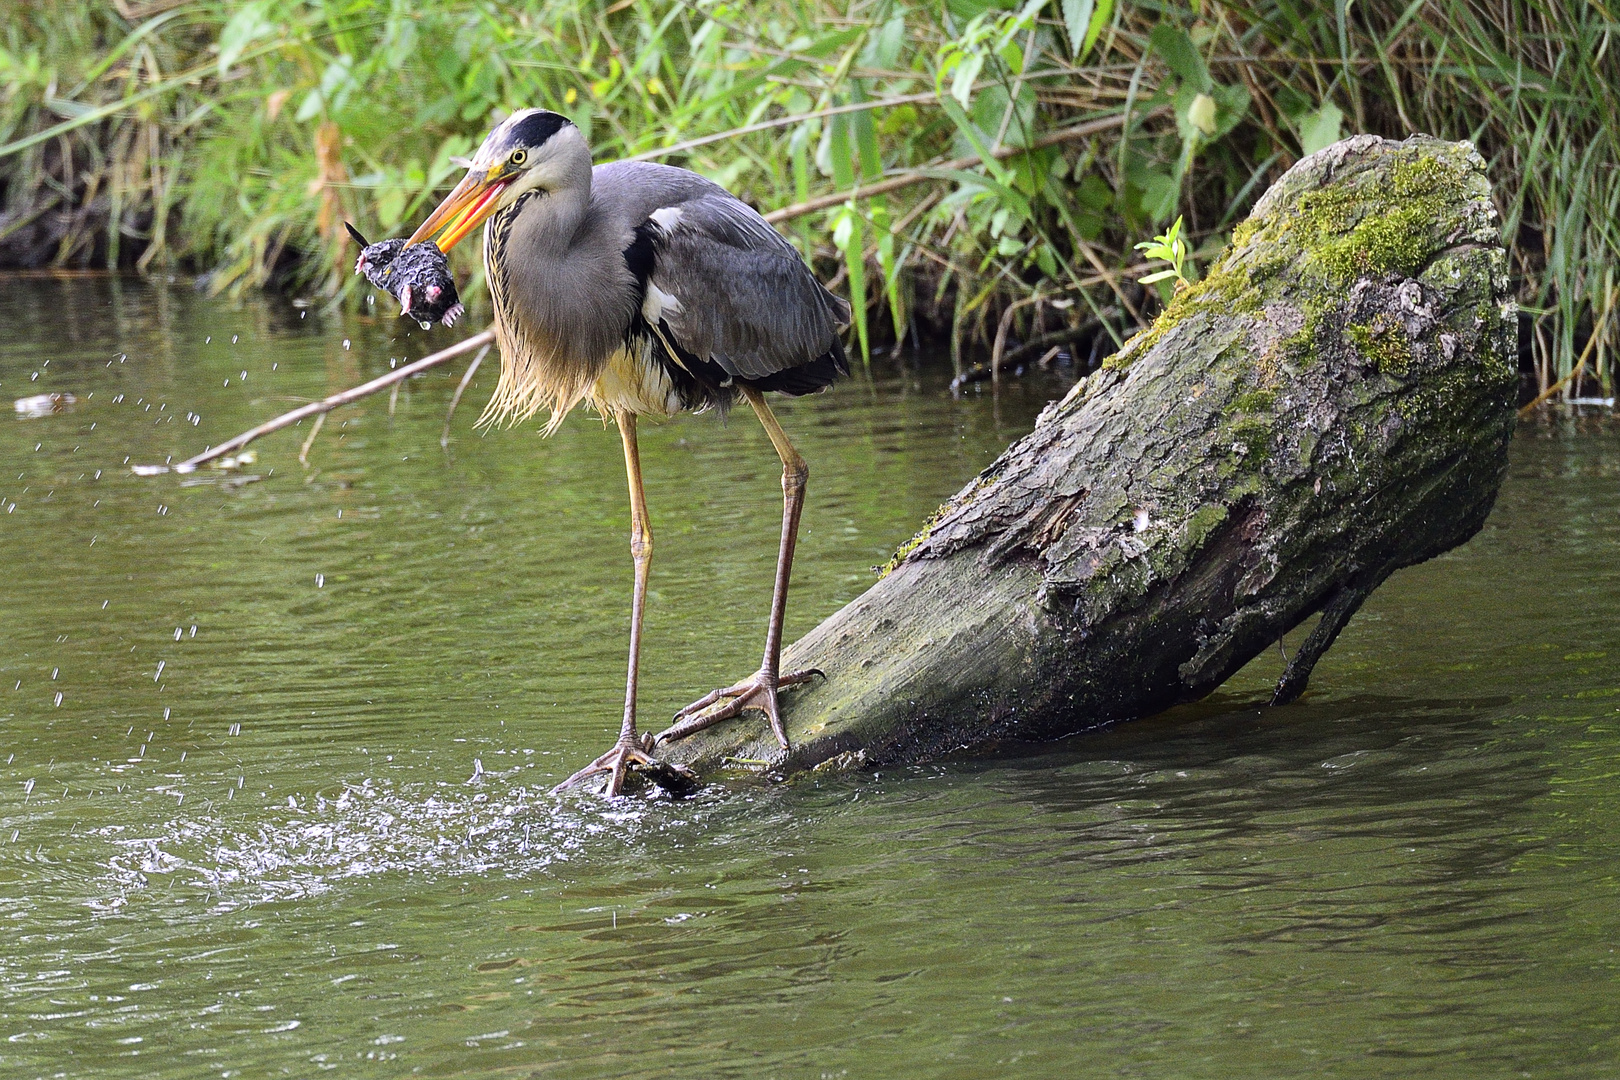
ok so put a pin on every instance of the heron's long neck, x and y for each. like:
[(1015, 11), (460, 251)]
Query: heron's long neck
[(562, 293)]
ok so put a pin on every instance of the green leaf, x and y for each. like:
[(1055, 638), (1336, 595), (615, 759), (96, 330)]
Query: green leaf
[(847, 227), (246, 26), (1162, 275), (1100, 17), (310, 108), (1160, 194), (1176, 49), (1084, 21), (1005, 195), (991, 106), (883, 49), (1046, 261), (967, 73), (970, 131), (1320, 129), (1077, 20), (971, 9), (1232, 105)]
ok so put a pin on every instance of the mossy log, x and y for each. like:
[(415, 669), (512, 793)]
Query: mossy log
[(1331, 403)]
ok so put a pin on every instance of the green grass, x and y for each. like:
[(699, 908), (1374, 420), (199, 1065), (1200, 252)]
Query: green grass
[(232, 139)]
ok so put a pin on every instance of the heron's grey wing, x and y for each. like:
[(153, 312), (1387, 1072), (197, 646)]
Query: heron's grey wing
[(742, 296)]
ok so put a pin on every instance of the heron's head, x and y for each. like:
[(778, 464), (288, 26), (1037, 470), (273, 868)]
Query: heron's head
[(531, 149)]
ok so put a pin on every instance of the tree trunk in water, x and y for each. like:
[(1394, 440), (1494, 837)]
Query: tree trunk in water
[(1331, 403)]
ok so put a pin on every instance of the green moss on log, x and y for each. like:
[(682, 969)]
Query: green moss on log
[(1366, 224), (1385, 343)]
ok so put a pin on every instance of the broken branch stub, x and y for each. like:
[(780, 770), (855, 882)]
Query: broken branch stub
[(1331, 403)]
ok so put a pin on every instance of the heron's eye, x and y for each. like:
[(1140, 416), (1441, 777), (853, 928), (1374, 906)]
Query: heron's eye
[(518, 157)]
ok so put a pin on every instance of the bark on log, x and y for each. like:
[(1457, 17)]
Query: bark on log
[(1332, 403)]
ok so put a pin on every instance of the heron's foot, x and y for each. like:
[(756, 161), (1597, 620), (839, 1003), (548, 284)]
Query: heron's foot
[(758, 691), (628, 765)]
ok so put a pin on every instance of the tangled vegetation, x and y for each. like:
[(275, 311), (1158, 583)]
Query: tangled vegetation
[(976, 165)]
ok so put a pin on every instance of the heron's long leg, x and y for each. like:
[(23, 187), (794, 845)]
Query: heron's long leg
[(641, 547), (629, 750), (759, 691), (795, 477)]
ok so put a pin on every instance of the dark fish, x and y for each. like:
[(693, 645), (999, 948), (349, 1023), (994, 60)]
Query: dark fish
[(419, 278)]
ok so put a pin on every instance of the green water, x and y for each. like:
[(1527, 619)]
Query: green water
[(318, 837)]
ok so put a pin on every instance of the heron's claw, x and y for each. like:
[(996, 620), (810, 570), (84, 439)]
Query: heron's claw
[(629, 760), (758, 691)]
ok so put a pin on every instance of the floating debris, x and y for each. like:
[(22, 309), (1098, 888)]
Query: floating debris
[(228, 464), (38, 405)]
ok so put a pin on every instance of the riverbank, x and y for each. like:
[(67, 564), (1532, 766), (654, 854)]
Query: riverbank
[(232, 140)]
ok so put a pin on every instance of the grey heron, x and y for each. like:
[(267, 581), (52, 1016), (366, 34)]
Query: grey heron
[(643, 290)]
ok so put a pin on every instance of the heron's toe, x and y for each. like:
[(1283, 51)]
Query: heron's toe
[(758, 691), (628, 767)]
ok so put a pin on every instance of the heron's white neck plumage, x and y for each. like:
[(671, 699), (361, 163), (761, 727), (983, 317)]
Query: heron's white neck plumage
[(562, 293)]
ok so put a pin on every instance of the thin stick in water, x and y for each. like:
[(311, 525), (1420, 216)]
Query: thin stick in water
[(315, 429), (472, 369)]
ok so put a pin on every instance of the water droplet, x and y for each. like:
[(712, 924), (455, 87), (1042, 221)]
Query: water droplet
[(158, 674)]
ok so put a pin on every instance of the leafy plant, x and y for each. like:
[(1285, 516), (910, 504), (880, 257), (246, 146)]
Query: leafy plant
[(950, 163), (1169, 247)]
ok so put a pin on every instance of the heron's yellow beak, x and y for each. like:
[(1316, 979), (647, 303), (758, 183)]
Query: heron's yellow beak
[(465, 208)]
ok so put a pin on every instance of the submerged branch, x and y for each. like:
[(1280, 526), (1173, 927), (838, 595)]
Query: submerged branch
[(325, 405)]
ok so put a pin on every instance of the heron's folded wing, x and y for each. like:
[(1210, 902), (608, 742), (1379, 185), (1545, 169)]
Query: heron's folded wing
[(741, 294)]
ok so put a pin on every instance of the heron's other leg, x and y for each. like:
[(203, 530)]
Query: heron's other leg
[(758, 691), (631, 750)]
